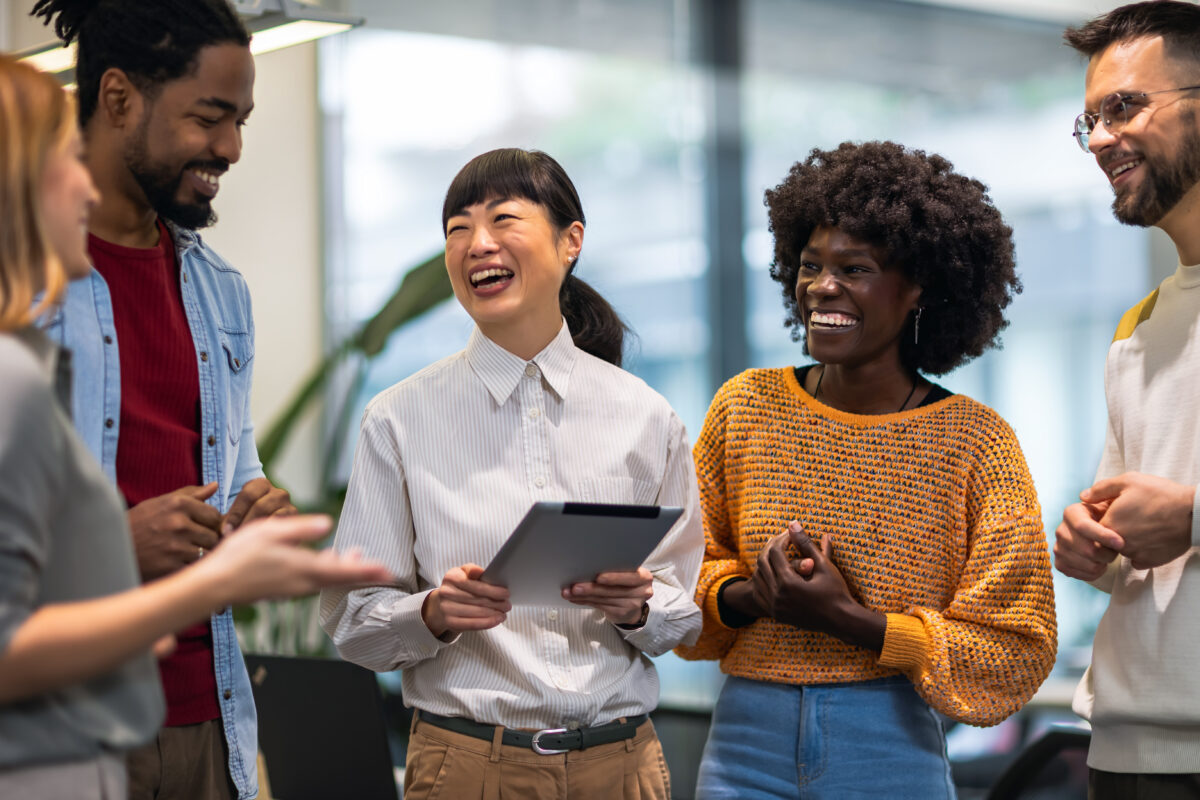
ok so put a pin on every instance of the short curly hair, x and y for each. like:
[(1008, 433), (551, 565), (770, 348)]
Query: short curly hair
[(938, 227)]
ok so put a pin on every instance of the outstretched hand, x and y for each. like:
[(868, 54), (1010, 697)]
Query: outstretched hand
[(268, 559)]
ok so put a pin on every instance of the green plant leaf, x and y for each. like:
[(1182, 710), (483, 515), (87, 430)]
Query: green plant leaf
[(424, 286)]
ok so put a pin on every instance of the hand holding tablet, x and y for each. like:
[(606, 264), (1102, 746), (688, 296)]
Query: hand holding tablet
[(558, 545)]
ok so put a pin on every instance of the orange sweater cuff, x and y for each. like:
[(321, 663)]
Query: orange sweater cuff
[(905, 645)]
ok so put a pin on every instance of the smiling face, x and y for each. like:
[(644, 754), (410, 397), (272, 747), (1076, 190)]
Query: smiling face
[(507, 263), (67, 198), (1153, 161), (190, 133), (854, 304)]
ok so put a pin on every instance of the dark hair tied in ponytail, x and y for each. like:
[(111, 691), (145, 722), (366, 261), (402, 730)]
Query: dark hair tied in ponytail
[(595, 326), (532, 175)]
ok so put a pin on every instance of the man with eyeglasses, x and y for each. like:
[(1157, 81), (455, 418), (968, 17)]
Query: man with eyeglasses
[(1136, 533)]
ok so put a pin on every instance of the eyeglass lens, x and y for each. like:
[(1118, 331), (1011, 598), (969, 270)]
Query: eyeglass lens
[(1114, 112)]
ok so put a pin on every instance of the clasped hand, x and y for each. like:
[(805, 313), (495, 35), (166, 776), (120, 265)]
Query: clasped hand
[(808, 592), (172, 530), (1145, 518)]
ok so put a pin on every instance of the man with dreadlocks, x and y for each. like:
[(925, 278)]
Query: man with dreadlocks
[(164, 343)]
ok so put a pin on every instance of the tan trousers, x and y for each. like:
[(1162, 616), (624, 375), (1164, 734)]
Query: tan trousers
[(453, 766), (184, 762)]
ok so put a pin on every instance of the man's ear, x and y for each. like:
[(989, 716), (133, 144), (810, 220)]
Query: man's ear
[(120, 103)]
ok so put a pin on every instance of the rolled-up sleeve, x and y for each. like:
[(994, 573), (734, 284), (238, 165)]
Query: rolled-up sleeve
[(379, 627), (674, 617)]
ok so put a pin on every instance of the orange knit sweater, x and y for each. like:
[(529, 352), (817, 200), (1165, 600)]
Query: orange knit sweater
[(935, 523)]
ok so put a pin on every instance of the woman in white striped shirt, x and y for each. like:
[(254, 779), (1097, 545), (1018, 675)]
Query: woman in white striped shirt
[(449, 460)]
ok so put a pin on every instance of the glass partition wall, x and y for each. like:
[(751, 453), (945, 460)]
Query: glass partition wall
[(657, 107)]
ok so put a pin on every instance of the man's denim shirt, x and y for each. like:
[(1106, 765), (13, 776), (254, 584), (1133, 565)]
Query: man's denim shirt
[(217, 304)]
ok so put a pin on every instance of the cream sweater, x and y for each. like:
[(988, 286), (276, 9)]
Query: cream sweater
[(1142, 691)]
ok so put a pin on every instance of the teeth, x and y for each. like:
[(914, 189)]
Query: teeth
[(208, 177), (1125, 167), (834, 320), (479, 277)]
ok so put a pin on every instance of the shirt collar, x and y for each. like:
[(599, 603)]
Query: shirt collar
[(501, 371), (184, 238), (1187, 276)]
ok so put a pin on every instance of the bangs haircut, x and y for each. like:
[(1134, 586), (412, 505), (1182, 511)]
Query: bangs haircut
[(512, 173), (36, 118)]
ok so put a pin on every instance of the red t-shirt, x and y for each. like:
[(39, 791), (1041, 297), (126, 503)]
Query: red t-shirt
[(159, 447)]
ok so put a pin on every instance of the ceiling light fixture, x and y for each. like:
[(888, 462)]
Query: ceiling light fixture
[(273, 25)]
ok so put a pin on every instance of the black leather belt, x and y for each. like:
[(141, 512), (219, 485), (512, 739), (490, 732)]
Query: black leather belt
[(548, 742)]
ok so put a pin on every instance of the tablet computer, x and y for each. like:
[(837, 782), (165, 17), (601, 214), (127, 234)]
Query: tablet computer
[(558, 544)]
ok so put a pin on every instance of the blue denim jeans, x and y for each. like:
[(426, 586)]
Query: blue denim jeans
[(828, 742)]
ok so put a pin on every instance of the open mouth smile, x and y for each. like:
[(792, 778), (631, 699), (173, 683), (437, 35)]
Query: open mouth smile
[(490, 279), (831, 321), (206, 182)]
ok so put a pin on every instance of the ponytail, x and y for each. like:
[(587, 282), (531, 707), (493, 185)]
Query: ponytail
[(595, 327)]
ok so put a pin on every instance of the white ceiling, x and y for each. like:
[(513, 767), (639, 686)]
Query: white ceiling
[(1061, 11)]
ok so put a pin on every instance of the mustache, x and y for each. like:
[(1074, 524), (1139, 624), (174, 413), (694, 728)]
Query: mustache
[(1109, 157), (218, 166)]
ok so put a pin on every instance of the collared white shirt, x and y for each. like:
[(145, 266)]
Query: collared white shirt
[(448, 462)]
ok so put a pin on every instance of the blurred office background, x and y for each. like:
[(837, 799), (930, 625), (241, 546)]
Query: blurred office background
[(673, 117)]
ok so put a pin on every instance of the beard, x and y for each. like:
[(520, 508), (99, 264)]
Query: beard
[(160, 183), (1164, 184)]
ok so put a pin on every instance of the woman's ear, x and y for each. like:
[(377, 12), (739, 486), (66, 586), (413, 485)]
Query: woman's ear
[(914, 297), (572, 241)]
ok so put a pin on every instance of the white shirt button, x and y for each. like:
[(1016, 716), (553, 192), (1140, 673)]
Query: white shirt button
[(552, 614), (534, 413), (531, 370), (573, 725), (539, 481)]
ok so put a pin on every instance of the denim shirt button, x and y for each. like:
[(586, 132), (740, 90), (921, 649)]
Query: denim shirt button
[(228, 694), (108, 423), (108, 340), (212, 440), (204, 355)]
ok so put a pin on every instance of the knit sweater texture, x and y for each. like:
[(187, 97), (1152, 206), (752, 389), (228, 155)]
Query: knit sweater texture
[(1142, 691), (935, 523)]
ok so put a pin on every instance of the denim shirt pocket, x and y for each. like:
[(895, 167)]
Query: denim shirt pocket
[(238, 347)]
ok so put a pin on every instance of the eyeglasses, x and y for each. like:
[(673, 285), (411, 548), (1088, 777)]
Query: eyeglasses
[(1115, 111)]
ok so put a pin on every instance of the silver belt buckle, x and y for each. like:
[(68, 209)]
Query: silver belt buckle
[(537, 748)]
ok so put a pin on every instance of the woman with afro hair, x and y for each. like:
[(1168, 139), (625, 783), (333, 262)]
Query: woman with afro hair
[(875, 550)]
